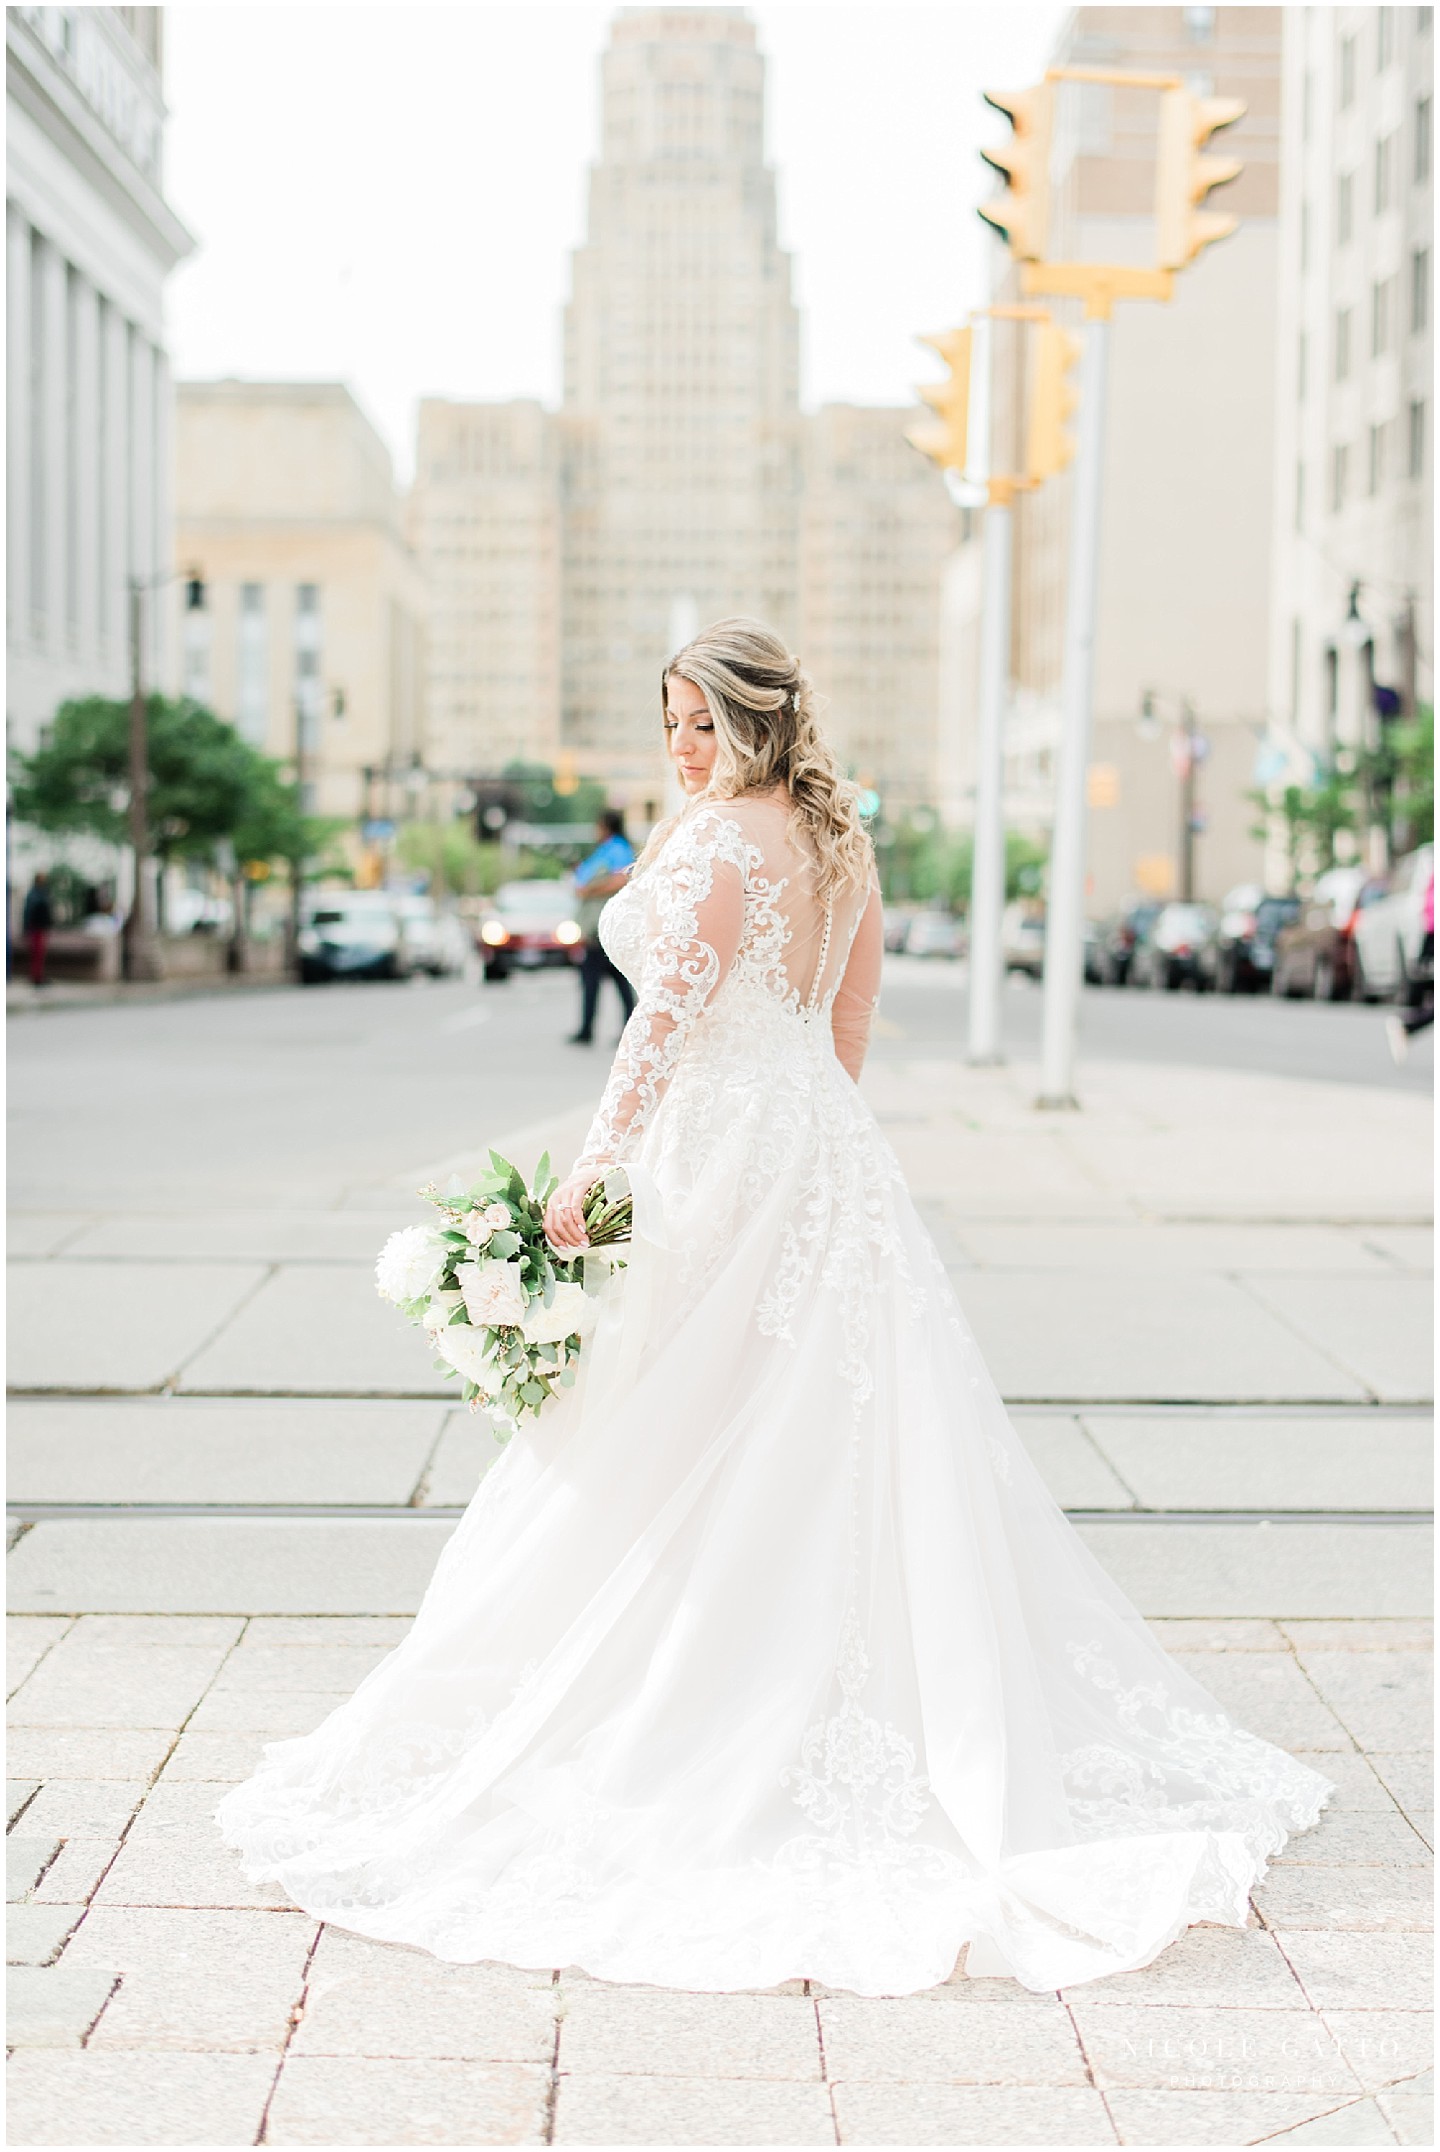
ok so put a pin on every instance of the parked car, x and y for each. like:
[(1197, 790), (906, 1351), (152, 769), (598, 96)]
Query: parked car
[(898, 918), (1245, 957), (1389, 930), (528, 924), (1314, 954), (352, 934), (1022, 936), (935, 934), (1177, 949), (1116, 938), (435, 938)]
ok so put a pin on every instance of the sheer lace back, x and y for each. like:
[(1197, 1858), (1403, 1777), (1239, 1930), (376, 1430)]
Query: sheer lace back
[(727, 917)]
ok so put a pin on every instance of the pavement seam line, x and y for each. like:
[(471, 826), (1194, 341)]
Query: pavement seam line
[(268, 1271), (1340, 2108), (31, 1796), (292, 2026), (1087, 1436), (825, 2077), (552, 2090), (1245, 1280), (111, 1993), (70, 1621)]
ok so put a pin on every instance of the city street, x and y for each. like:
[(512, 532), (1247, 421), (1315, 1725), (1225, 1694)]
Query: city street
[(1206, 1297)]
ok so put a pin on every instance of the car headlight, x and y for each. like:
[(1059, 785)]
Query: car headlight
[(494, 933), (309, 941), (568, 932)]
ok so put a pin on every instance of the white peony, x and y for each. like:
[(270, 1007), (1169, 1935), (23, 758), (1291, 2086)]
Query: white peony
[(477, 1228), (408, 1264), (493, 1292), (464, 1349), (572, 1309), (497, 1216)]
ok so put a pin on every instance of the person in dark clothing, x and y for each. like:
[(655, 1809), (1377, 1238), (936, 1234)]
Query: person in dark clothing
[(36, 921), (596, 879)]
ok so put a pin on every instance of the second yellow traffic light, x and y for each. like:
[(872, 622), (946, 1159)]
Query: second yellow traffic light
[(1054, 399), (943, 439)]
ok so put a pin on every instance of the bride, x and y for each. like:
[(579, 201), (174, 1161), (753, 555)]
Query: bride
[(765, 1653)]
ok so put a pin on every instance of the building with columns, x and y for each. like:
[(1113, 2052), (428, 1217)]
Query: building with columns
[(680, 481), (90, 241), (1353, 527), (311, 633)]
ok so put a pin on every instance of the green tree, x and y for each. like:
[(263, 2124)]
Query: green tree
[(1397, 779)]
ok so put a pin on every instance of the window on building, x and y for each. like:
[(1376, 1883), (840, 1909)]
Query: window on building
[(1421, 166), (1344, 320), (1296, 658), (1419, 289), (1332, 692), (1302, 366), (1375, 462), (1415, 444), (1384, 38), (252, 653), (1384, 173), (104, 615), (1299, 496), (73, 300), (195, 648), (1382, 316), (1339, 477), (307, 660), (1345, 209), (1346, 73), (1304, 237), (1307, 104)]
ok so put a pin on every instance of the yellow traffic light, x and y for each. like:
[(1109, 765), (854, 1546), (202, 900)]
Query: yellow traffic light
[(943, 439), (1022, 213), (1183, 177), (1054, 400)]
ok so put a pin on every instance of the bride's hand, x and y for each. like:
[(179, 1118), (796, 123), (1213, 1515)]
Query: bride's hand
[(564, 1220)]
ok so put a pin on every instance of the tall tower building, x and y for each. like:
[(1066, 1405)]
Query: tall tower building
[(681, 429)]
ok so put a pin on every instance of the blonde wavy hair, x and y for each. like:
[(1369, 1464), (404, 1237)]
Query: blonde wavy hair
[(765, 712)]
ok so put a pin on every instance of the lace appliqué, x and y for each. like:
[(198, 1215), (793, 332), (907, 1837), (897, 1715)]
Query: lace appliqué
[(856, 1780)]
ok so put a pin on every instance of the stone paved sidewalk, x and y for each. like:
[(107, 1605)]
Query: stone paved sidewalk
[(156, 1999)]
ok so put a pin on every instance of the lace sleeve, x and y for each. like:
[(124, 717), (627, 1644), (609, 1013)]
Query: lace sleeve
[(697, 911), (858, 994)]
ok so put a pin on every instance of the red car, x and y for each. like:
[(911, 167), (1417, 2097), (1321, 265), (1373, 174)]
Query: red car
[(527, 924)]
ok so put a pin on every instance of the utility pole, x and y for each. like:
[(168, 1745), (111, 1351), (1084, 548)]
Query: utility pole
[(962, 445), (141, 950), (1183, 177), (297, 862)]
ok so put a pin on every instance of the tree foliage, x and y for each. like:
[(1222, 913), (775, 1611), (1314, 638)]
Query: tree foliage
[(208, 786)]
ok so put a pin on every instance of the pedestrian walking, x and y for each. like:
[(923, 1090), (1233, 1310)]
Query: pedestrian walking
[(597, 879), (1420, 991), (36, 922)]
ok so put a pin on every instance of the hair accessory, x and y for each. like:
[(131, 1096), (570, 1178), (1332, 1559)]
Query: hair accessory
[(795, 698)]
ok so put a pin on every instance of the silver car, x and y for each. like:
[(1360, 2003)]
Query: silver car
[(1389, 930)]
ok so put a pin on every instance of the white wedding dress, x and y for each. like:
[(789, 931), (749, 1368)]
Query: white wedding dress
[(765, 1653)]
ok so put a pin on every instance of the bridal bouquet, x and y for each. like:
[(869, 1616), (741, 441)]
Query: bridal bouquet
[(505, 1312)]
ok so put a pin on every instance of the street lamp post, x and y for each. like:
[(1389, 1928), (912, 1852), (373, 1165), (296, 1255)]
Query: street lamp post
[(141, 947)]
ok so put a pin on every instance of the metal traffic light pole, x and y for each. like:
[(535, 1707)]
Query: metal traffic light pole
[(1065, 906)]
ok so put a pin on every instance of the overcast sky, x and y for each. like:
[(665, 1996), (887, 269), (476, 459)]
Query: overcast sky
[(388, 195)]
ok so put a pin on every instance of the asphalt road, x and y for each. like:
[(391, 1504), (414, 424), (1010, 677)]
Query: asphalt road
[(923, 1005), (300, 1098)]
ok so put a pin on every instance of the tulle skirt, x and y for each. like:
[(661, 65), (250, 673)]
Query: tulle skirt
[(765, 1653)]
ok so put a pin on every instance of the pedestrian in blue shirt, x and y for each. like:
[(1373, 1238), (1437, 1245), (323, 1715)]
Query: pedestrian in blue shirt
[(596, 879)]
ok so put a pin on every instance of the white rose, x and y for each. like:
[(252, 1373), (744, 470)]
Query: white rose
[(497, 1216), (408, 1263), (464, 1349), (572, 1309), (477, 1228), (440, 1310), (493, 1292)]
